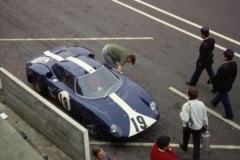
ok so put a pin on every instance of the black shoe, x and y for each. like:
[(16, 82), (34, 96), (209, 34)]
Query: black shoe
[(190, 84), (183, 148), (213, 104), (227, 117)]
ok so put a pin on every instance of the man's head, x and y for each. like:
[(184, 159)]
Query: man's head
[(131, 59), (204, 32), (163, 142), (98, 153), (228, 55), (192, 93)]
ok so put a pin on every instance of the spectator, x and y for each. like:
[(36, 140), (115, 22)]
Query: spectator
[(223, 82), (162, 151), (194, 117), (99, 154), (205, 59), (116, 56)]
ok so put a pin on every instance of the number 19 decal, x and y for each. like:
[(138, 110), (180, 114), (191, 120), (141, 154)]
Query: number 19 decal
[(139, 122)]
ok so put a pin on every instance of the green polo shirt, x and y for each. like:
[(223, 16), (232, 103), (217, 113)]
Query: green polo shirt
[(118, 53)]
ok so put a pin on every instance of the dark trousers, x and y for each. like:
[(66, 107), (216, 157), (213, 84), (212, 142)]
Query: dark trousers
[(223, 97), (196, 134), (197, 73)]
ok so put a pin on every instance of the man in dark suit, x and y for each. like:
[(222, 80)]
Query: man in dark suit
[(223, 82), (205, 59)]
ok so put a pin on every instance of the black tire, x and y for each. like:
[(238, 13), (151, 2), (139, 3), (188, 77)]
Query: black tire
[(40, 89), (92, 128)]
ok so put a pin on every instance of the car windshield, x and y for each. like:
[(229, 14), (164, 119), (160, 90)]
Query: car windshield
[(97, 84)]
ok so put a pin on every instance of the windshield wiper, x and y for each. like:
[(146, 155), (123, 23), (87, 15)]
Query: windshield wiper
[(109, 90)]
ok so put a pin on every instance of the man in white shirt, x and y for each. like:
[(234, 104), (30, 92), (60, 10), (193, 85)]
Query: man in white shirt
[(194, 117)]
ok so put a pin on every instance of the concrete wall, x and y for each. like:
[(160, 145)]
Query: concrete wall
[(58, 127)]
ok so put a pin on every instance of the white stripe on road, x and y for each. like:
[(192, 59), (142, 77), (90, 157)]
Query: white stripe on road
[(233, 124), (151, 144), (186, 21), (52, 55), (78, 39), (169, 25)]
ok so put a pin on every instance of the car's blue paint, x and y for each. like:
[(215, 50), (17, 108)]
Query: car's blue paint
[(103, 110)]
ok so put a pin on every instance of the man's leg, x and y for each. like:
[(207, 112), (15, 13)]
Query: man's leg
[(216, 100), (197, 73), (210, 73), (226, 103), (108, 59), (196, 144), (186, 136)]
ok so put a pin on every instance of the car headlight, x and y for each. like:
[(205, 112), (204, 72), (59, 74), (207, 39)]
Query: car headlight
[(153, 107), (115, 130)]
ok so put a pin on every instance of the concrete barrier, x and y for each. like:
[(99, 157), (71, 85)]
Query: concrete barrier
[(57, 126)]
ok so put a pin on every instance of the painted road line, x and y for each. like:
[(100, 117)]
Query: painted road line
[(233, 124), (186, 21), (169, 25), (151, 144), (78, 39)]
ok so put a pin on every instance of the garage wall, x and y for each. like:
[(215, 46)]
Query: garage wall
[(58, 127)]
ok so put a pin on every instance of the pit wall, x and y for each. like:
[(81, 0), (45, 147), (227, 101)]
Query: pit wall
[(57, 126)]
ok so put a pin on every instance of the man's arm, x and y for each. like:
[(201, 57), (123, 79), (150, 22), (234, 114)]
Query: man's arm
[(119, 68)]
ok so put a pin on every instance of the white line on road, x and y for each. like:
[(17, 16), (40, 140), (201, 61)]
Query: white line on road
[(233, 124), (186, 21), (78, 39), (151, 144), (169, 25)]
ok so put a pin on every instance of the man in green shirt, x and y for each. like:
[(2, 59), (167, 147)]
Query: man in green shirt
[(116, 56)]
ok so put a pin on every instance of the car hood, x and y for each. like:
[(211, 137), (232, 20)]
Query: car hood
[(128, 110)]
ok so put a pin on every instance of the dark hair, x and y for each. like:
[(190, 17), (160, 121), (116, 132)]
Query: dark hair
[(205, 32), (229, 57), (132, 58), (193, 93), (95, 150), (163, 141)]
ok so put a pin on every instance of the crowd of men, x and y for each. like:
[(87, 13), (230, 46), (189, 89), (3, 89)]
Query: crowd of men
[(193, 112)]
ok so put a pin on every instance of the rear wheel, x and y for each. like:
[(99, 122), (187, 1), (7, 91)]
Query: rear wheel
[(41, 90), (92, 128)]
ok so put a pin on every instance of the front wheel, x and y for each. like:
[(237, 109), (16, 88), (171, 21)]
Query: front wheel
[(40, 90), (92, 128)]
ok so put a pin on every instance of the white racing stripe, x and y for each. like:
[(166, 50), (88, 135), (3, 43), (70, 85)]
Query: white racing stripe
[(52, 55), (138, 122), (84, 65)]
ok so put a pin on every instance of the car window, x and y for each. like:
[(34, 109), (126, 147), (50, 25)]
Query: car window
[(68, 80), (98, 84), (58, 71)]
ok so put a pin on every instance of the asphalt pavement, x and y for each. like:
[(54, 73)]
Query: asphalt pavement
[(164, 35)]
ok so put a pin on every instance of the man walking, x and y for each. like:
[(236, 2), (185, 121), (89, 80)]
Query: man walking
[(205, 59), (223, 82), (194, 117), (161, 150), (116, 56)]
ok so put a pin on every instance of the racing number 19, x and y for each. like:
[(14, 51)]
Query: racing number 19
[(139, 123)]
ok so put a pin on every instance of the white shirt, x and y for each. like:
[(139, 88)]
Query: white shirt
[(198, 113)]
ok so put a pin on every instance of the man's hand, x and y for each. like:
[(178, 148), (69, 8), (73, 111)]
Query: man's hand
[(209, 81), (119, 68)]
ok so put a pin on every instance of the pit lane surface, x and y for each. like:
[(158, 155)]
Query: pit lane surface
[(166, 48)]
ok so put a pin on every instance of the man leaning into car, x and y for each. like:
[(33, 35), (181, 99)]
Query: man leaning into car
[(116, 56)]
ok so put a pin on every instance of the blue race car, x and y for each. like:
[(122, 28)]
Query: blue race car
[(104, 101)]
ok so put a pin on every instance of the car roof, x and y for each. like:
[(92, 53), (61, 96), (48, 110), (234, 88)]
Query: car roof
[(76, 69), (81, 60)]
